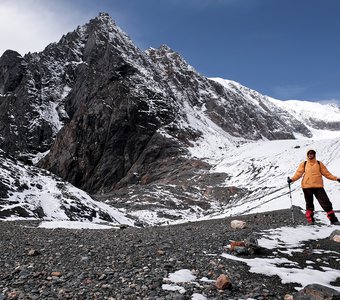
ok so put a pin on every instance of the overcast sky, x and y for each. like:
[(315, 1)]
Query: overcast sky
[(287, 49)]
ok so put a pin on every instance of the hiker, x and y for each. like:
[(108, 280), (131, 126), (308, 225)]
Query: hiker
[(312, 185)]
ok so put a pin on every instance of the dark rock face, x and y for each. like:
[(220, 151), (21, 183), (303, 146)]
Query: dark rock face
[(32, 108), (114, 113), (319, 124), (11, 71)]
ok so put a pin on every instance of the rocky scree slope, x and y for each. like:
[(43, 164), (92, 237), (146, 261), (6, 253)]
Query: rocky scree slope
[(134, 263)]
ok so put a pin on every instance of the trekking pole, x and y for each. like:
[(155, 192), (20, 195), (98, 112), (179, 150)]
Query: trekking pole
[(291, 201)]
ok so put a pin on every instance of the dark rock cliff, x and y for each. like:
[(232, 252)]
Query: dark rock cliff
[(115, 108)]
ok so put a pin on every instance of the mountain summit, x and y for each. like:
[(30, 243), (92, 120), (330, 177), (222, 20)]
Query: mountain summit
[(119, 122)]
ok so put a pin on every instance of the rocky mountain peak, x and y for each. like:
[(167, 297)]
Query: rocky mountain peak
[(118, 122)]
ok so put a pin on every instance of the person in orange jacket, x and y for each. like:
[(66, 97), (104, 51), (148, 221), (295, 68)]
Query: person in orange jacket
[(312, 185)]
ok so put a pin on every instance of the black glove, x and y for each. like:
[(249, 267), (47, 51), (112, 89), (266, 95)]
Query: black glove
[(338, 180), (289, 180)]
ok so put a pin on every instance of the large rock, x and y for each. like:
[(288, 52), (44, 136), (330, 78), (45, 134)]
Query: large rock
[(317, 292), (335, 236)]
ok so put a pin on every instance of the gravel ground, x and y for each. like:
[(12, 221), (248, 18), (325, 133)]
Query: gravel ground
[(132, 263)]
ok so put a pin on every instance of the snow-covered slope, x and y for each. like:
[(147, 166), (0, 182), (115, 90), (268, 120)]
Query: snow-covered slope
[(263, 167), (305, 110), (322, 120), (315, 115), (259, 170), (27, 192)]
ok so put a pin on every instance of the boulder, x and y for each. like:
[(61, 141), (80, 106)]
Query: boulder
[(335, 236), (317, 292), (223, 282)]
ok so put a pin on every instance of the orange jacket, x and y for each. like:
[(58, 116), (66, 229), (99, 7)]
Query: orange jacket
[(312, 174)]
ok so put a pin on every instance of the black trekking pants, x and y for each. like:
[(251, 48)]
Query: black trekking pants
[(320, 195)]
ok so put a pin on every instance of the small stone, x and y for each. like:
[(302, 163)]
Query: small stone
[(223, 282), (107, 286), (33, 252), (336, 238), (12, 295), (237, 224), (102, 277), (56, 274), (160, 252)]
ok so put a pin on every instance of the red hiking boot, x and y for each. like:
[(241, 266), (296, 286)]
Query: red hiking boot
[(332, 218), (310, 217)]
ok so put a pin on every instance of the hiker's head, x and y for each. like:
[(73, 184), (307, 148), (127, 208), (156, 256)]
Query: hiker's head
[(311, 154)]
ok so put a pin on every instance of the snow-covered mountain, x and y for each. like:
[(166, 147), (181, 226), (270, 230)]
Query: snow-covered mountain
[(323, 120), (146, 134)]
